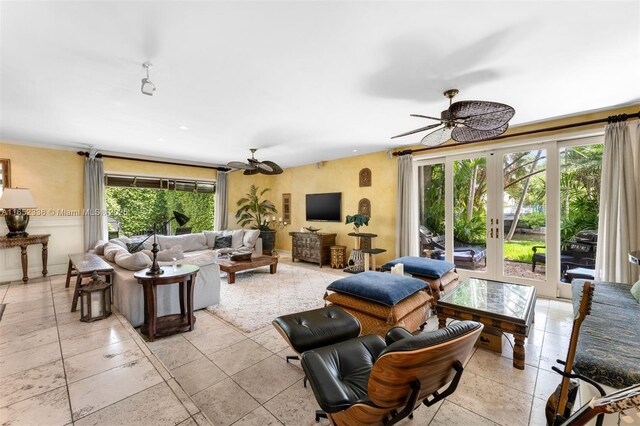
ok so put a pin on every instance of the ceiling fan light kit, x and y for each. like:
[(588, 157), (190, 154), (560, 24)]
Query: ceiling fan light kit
[(147, 87), (253, 166), (465, 121)]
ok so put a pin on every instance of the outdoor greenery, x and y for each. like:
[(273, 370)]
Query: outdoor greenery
[(254, 211), (148, 207), (524, 182)]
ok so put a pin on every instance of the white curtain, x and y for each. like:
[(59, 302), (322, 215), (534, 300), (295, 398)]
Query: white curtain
[(404, 213), (94, 224), (618, 228), (221, 208)]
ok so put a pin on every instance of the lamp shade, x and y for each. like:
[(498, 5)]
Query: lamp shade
[(181, 218), (17, 198)]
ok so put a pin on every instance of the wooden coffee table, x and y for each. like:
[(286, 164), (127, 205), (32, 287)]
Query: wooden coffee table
[(507, 307), (257, 261)]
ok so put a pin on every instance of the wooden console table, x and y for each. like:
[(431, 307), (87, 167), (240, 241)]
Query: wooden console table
[(184, 321), (312, 246), (23, 242)]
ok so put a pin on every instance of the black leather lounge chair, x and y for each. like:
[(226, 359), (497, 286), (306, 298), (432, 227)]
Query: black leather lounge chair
[(369, 380)]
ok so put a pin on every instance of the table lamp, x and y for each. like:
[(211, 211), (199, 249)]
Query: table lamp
[(15, 201), (155, 268)]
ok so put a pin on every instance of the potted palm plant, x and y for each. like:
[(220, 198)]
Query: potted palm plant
[(256, 212)]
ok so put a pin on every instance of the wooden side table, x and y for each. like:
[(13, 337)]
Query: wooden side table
[(23, 242), (169, 324), (338, 257)]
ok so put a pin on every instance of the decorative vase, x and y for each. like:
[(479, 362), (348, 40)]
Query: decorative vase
[(268, 241)]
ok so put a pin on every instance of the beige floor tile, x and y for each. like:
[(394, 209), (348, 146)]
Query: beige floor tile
[(214, 340), (189, 422), (532, 347), (176, 354), (27, 306), (90, 363), (482, 396), (198, 375), (14, 314), (268, 378), (156, 405), (492, 366), (102, 390), (561, 326), (39, 297), (546, 384), (183, 397), (29, 383), (10, 331), (235, 358), (225, 402), (271, 340), (451, 414), (96, 339), (66, 316), (296, 406), (422, 415), (29, 358), (49, 408), (79, 328), (537, 413), (554, 346), (159, 343), (202, 420), (29, 340), (258, 417)]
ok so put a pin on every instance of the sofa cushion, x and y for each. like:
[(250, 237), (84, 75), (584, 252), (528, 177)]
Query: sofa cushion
[(236, 237), (635, 291), (211, 237), (99, 247), (121, 241), (132, 261), (223, 242), (111, 249), (168, 255), (387, 289), (429, 268), (250, 238), (189, 242), (134, 247)]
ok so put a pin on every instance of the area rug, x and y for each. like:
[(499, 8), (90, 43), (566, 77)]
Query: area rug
[(257, 297)]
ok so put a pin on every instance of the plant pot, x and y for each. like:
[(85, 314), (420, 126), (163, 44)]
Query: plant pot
[(268, 241)]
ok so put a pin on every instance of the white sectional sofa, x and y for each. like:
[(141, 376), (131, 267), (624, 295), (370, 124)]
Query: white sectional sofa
[(194, 249)]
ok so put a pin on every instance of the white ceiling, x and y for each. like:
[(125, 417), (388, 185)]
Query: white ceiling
[(302, 81)]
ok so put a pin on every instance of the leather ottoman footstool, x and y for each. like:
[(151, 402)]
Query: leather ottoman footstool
[(314, 329), (381, 301)]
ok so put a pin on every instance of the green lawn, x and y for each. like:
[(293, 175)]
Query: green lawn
[(520, 251)]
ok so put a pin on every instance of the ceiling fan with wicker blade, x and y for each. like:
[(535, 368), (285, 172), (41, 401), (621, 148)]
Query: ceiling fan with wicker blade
[(253, 166), (465, 121)]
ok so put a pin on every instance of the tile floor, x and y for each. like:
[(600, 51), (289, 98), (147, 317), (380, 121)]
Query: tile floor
[(56, 370)]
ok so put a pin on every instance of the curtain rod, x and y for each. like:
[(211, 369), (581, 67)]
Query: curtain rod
[(220, 169), (608, 120)]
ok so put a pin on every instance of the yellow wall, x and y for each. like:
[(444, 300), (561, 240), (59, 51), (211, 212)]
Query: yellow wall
[(332, 176), (53, 176)]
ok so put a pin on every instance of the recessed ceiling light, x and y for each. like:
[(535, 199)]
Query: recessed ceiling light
[(183, 128)]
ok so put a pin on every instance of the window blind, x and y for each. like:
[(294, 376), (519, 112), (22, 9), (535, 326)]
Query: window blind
[(146, 182)]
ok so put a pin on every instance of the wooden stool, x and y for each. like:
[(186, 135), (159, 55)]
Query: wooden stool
[(338, 257)]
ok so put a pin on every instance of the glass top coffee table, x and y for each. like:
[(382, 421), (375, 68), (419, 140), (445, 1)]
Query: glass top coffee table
[(507, 307)]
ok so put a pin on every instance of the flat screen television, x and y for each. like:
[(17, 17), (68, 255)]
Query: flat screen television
[(324, 207)]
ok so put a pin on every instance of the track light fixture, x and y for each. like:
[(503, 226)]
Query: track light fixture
[(147, 86)]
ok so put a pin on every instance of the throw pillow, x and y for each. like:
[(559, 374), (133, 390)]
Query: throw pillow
[(635, 291), (121, 241), (387, 289), (421, 266), (99, 247), (134, 247), (132, 261), (174, 252), (250, 238), (236, 237), (211, 237), (223, 242), (110, 251)]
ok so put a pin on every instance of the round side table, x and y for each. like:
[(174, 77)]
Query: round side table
[(169, 324), (338, 256)]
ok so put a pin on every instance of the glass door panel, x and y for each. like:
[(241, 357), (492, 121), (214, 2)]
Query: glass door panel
[(470, 214), (431, 180), (524, 214)]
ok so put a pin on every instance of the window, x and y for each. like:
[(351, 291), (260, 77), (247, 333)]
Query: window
[(137, 203)]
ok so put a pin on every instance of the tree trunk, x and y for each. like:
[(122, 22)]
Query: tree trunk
[(472, 190), (516, 215)]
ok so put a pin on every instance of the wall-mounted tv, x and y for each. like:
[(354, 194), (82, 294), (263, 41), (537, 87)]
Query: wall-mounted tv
[(324, 207)]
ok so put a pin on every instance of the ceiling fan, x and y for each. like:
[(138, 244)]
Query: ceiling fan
[(253, 166), (465, 121)]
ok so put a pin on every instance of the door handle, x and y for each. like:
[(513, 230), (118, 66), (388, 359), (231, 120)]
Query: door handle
[(497, 232), (491, 233)]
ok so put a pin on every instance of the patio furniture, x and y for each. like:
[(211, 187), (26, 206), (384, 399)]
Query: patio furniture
[(369, 380), (183, 230), (465, 255), (565, 256)]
